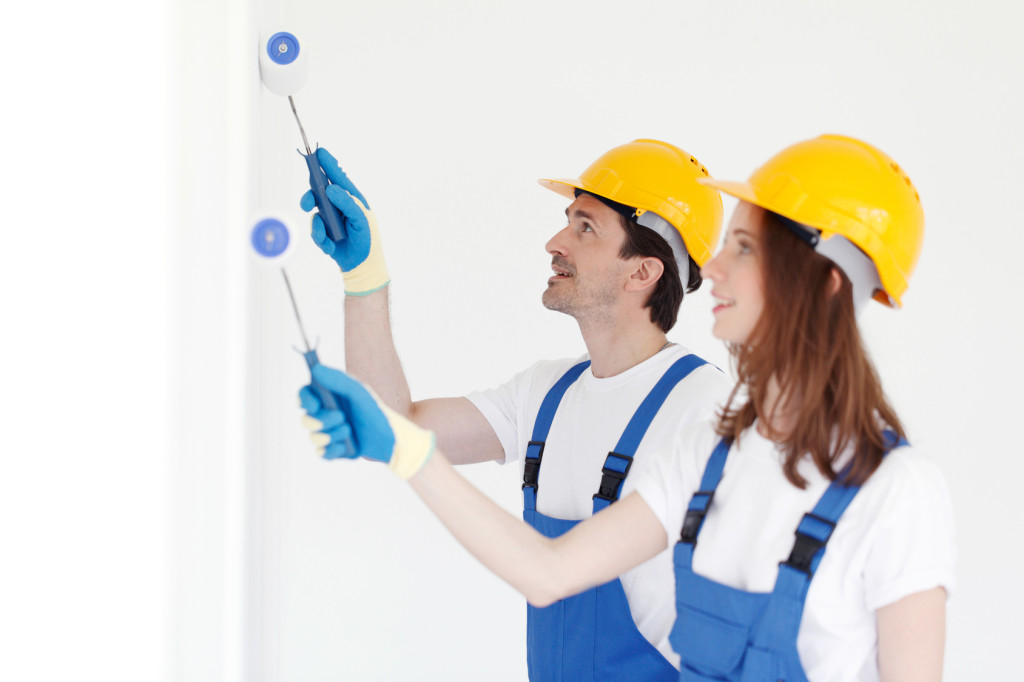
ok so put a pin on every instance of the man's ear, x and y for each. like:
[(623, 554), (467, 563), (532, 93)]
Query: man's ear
[(647, 273)]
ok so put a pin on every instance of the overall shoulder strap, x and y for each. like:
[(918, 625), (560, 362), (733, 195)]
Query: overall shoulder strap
[(701, 500), (815, 529), (541, 426), (787, 599), (617, 463)]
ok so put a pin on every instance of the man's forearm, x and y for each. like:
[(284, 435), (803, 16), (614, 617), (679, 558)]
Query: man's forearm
[(370, 353)]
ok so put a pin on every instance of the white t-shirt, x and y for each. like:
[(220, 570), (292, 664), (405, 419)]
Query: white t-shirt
[(895, 539), (589, 421)]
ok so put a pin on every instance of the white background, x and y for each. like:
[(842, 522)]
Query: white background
[(161, 514)]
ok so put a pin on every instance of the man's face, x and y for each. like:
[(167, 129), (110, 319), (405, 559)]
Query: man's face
[(589, 273)]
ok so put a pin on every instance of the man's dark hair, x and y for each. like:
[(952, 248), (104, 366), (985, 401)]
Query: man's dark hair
[(667, 296)]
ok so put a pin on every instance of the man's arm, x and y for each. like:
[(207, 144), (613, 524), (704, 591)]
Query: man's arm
[(369, 348), (370, 355)]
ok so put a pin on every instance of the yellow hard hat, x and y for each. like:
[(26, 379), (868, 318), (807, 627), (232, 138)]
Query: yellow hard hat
[(649, 175), (842, 186)]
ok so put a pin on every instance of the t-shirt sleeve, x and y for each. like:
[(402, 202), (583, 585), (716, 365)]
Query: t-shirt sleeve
[(913, 549), (499, 406), (511, 407)]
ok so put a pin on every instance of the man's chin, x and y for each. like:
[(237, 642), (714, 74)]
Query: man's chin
[(558, 305), (551, 301)]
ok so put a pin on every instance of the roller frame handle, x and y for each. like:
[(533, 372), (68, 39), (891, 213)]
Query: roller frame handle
[(327, 400), (328, 212)]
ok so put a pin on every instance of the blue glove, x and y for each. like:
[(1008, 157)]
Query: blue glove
[(360, 256), (375, 431)]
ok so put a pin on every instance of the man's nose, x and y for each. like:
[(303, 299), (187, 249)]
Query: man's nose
[(556, 245)]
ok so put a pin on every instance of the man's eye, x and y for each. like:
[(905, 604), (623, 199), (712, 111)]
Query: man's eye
[(586, 227)]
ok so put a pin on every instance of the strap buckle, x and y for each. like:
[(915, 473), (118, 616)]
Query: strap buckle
[(695, 514), (611, 479), (531, 468), (806, 546)]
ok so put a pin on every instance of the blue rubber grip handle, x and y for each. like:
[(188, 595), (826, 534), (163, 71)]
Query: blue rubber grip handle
[(328, 212), (326, 397)]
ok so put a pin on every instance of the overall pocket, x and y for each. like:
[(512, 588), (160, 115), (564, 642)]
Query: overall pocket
[(708, 645)]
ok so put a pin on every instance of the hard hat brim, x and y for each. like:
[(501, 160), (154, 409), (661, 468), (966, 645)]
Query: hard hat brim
[(740, 190), (745, 192), (566, 187)]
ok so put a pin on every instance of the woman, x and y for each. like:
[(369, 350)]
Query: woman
[(808, 444)]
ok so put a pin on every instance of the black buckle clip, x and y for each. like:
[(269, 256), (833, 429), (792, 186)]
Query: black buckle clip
[(611, 479), (806, 546), (695, 518), (531, 468)]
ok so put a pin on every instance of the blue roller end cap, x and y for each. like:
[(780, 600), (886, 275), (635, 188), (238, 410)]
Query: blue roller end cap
[(283, 48), (270, 237)]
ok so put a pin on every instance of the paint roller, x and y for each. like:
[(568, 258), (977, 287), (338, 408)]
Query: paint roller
[(283, 69), (284, 66)]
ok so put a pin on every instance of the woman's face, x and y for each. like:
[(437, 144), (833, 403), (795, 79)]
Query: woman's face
[(736, 271)]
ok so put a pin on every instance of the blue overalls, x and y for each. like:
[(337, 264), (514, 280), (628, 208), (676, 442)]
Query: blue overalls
[(723, 633), (591, 637)]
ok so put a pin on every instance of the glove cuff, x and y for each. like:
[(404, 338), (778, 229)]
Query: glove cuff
[(372, 274), (413, 447), (413, 444), (365, 278)]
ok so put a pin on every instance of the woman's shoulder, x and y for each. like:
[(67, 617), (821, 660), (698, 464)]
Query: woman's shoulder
[(908, 517), (907, 496), (905, 468)]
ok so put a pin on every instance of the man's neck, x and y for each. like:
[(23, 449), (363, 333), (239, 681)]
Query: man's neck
[(614, 348)]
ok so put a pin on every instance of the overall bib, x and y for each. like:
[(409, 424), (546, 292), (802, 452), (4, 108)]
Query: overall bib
[(723, 633), (591, 637)]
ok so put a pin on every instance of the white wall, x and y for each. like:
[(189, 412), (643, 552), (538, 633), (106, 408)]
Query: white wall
[(445, 113), (282, 567)]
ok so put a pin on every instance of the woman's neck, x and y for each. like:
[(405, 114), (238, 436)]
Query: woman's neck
[(778, 411)]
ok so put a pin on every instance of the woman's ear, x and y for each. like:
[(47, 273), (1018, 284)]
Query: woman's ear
[(649, 270), (835, 281)]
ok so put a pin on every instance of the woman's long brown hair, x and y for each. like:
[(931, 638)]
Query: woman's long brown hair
[(807, 340)]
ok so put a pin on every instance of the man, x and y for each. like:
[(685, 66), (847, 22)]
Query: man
[(639, 225)]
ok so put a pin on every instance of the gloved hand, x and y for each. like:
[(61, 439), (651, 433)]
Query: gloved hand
[(376, 431), (360, 255)]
